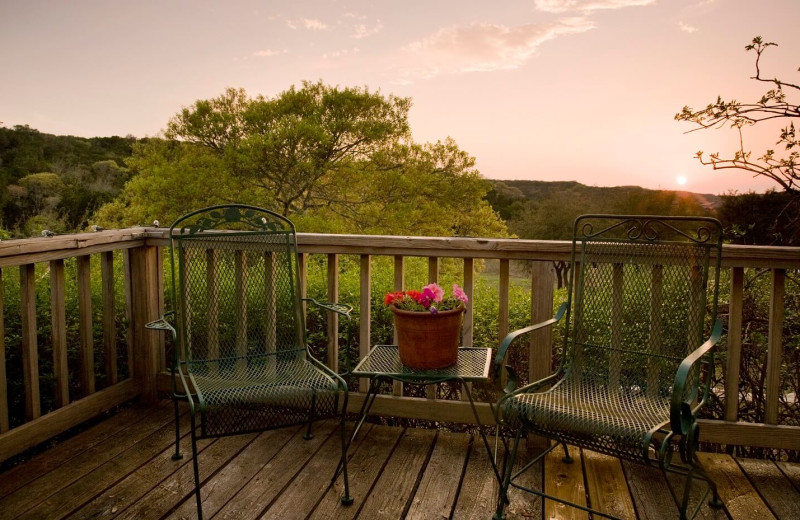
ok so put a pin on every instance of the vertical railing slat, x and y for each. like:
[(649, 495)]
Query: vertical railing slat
[(654, 336), (3, 381), (503, 312), (85, 325), (399, 285), (365, 276), (109, 323), (129, 333), (734, 344), (433, 277), (772, 387), (30, 355), (240, 287), (59, 325), (541, 345), (469, 290), (333, 318)]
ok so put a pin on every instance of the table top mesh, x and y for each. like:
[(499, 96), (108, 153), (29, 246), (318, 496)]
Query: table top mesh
[(384, 361)]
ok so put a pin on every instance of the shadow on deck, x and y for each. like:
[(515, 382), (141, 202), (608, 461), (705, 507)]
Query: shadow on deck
[(122, 468)]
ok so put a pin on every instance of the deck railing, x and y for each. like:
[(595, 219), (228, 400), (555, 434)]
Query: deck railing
[(135, 257)]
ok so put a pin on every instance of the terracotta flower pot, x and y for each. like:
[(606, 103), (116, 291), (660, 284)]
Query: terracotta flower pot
[(428, 340)]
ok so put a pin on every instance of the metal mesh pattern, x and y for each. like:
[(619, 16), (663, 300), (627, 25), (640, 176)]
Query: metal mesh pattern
[(640, 304), (242, 327), (384, 360)]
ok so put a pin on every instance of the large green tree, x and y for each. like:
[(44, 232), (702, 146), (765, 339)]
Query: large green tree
[(333, 159)]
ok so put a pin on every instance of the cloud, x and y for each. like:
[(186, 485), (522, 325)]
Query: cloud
[(268, 52), (480, 47), (585, 6), (340, 53), (314, 25), (685, 27), (362, 31)]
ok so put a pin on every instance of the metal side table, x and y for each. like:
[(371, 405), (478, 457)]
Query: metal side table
[(382, 365)]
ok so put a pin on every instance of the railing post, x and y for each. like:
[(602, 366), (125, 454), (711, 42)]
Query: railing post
[(333, 318), (541, 350), (3, 382), (30, 356), (734, 344), (772, 387), (365, 276), (147, 304)]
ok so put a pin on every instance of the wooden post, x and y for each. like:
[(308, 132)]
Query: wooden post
[(433, 277), (365, 273), (30, 356), (333, 318), (109, 324), (734, 345), (3, 382), (541, 344), (399, 285), (59, 325), (502, 318), (772, 387), (85, 325), (146, 307)]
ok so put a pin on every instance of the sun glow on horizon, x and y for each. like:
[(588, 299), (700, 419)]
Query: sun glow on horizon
[(681, 180)]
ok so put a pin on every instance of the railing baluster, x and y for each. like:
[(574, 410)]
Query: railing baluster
[(541, 350), (433, 277), (399, 285), (129, 333), (502, 318), (333, 318), (734, 344), (59, 325), (30, 355), (109, 323), (772, 387), (85, 325), (3, 381), (365, 275)]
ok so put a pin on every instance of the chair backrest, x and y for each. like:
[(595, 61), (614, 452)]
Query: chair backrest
[(640, 299), (235, 284)]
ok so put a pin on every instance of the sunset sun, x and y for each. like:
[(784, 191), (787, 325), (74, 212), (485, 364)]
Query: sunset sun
[(681, 180)]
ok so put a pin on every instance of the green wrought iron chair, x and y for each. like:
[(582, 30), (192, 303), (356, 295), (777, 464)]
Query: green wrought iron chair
[(635, 368), (240, 355)]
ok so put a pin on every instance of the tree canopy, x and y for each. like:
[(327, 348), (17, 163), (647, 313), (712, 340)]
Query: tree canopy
[(333, 159), (781, 166)]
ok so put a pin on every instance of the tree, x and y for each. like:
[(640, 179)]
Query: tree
[(781, 166), (334, 160)]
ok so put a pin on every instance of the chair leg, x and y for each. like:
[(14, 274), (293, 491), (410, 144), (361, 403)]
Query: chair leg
[(508, 469), (177, 455), (567, 459), (346, 498), (308, 435), (196, 472)]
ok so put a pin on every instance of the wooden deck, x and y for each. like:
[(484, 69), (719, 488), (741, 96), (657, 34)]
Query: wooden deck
[(122, 468)]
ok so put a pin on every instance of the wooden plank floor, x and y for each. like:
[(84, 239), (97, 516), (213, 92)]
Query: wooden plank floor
[(122, 468)]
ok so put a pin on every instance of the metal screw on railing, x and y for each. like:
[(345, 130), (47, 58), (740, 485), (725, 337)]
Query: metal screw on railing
[(47, 233), (97, 228), (155, 223)]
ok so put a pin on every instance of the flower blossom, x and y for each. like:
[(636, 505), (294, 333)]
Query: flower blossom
[(459, 293)]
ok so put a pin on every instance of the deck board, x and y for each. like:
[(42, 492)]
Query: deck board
[(122, 468)]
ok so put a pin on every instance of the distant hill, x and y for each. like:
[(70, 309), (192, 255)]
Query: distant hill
[(538, 190)]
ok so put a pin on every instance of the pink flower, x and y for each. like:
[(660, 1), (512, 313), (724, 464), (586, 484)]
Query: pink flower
[(459, 293), (437, 293)]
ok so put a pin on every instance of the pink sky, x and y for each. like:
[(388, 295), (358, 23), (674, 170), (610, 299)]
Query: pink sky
[(581, 90)]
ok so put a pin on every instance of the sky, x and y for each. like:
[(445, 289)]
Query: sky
[(573, 90)]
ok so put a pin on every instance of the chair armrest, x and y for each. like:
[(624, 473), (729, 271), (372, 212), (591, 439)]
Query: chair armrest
[(681, 410), (342, 310), (339, 308), (501, 352), (163, 324)]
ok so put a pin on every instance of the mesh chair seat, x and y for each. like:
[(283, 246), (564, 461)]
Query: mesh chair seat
[(238, 395), (617, 423)]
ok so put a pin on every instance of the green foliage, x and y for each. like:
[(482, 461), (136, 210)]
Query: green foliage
[(756, 218), (337, 160), (780, 166), (56, 182)]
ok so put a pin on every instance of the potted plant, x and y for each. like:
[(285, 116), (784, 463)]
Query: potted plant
[(428, 325)]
